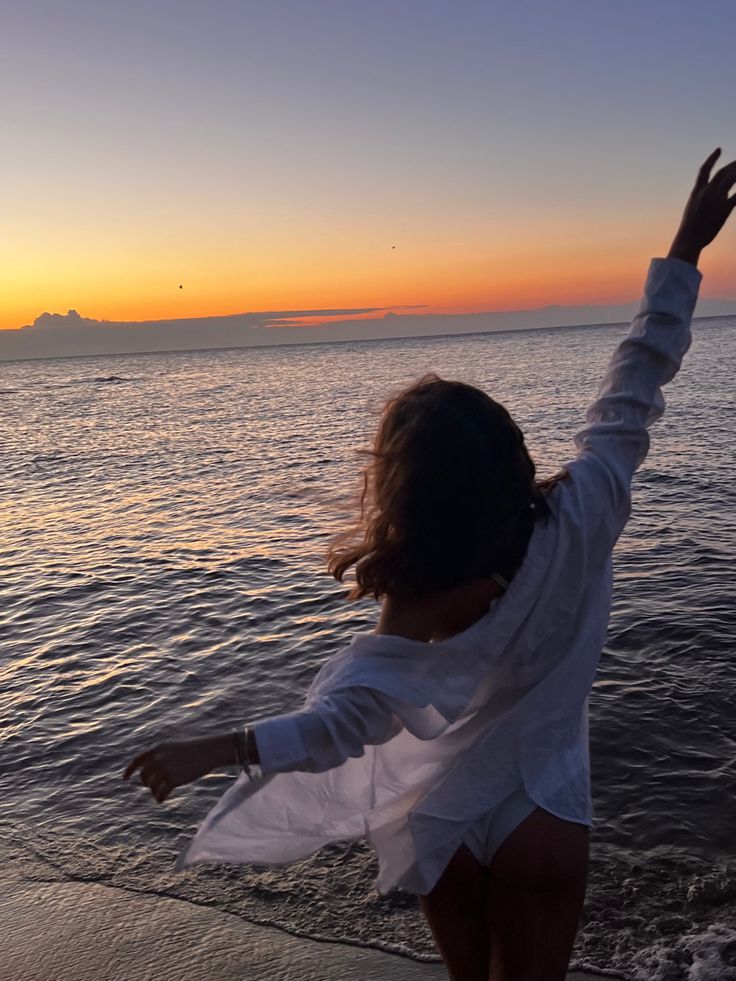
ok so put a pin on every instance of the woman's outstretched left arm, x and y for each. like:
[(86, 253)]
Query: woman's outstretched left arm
[(316, 738)]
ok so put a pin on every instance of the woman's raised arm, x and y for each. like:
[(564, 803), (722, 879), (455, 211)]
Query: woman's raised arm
[(615, 440)]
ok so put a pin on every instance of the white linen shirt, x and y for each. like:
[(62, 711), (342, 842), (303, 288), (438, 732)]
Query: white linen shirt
[(409, 743)]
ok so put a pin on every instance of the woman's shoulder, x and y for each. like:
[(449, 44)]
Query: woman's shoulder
[(589, 511)]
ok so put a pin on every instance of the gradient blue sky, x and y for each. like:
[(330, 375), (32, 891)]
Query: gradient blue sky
[(269, 155)]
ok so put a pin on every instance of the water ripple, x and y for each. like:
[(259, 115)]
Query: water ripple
[(162, 573)]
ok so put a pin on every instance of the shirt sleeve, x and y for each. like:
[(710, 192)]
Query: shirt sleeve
[(615, 440), (327, 733)]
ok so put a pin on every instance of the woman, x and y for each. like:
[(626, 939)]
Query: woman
[(454, 737)]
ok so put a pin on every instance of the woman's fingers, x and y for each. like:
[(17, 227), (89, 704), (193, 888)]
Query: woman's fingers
[(173, 764), (154, 773), (136, 762), (704, 172), (157, 778), (150, 772), (161, 788), (726, 177)]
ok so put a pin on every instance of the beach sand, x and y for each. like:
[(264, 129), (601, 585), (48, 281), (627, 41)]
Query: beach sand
[(79, 931)]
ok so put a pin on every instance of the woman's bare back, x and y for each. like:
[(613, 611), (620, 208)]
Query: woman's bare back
[(439, 615)]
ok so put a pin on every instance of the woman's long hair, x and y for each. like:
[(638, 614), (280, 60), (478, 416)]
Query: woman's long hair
[(449, 495)]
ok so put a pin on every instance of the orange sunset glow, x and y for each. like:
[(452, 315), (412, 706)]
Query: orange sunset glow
[(181, 187)]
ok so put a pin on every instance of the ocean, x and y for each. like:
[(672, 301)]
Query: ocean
[(165, 519)]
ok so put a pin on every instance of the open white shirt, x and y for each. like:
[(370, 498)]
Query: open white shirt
[(409, 743)]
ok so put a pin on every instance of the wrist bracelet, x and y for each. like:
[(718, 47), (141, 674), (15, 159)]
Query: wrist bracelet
[(242, 739)]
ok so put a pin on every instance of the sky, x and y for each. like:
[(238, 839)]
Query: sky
[(165, 160)]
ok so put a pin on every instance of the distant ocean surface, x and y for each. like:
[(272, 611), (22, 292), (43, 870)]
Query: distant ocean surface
[(164, 524)]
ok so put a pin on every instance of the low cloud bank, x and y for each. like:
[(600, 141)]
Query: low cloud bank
[(54, 335)]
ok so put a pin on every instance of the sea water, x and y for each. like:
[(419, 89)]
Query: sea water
[(164, 525)]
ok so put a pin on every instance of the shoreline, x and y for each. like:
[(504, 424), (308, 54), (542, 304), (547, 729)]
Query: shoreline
[(86, 931)]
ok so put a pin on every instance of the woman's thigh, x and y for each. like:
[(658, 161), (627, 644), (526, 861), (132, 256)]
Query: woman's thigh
[(536, 890), (518, 918), (457, 913)]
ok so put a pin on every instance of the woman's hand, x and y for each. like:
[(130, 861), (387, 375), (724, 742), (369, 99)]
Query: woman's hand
[(170, 765), (706, 211)]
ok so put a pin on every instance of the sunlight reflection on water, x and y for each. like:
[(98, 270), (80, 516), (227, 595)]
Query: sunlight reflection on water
[(162, 573)]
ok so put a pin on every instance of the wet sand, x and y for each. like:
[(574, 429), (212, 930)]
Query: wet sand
[(77, 931)]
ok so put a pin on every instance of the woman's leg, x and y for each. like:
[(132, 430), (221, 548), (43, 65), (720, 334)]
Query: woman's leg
[(456, 910), (535, 894)]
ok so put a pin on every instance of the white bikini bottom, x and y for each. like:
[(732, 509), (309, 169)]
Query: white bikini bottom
[(485, 837)]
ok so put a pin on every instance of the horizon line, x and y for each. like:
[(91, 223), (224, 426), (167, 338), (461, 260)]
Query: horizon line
[(347, 311), (344, 340)]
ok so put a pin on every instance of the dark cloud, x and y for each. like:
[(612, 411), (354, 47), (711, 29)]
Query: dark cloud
[(65, 335)]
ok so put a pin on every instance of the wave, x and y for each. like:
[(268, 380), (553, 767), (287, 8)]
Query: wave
[(651, 916), (94, 380), (708, 955)]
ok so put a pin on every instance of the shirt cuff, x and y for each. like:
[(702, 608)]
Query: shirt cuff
[(279, 742), (685, 272)]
